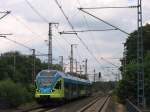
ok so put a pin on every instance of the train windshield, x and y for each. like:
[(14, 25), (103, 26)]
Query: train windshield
[(44, 78), (44, 81)]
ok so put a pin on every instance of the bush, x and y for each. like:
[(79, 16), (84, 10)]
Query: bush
[(125, 90), (31, 88), (15, 94)]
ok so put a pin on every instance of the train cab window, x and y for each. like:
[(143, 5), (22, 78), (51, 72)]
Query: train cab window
[(58, 85)]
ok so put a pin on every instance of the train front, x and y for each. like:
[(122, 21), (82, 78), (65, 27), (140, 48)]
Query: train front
[(44, 83)]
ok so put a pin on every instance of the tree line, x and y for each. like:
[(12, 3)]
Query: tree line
[(127, 87), (16, 85)]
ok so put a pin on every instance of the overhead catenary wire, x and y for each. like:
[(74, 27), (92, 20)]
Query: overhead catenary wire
[(21, 44), (81, 31), (87, 24), (109, 62), (5, 14), (110, 7), (116, 28), (37, 12), (27, 27), (16, 42), (78, 54), (4, 34), (4, 11), (42, 17), (73, 31), (104, 21), (96, 30), (72, 27)]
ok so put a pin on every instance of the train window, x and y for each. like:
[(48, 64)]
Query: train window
[(58, 85)]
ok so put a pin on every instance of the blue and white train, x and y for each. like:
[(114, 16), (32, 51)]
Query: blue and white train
[(54, 84)]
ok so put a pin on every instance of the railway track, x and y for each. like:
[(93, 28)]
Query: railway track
[(45, 108), (98, 105)]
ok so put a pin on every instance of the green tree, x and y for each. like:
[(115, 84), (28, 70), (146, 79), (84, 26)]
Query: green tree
[(16, 81), (14, 93), (127, 87), (23, 67)]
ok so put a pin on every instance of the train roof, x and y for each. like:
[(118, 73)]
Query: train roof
[(71, 77), (66, 76), (46, 73)]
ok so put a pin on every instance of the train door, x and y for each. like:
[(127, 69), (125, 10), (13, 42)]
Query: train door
[(59, 88)]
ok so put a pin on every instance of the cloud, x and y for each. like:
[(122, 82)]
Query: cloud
[(33, 31)]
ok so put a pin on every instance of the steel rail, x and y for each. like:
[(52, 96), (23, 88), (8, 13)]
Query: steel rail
[(88, 106)]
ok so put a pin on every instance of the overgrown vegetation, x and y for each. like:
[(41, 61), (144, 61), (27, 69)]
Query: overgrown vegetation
[(127, 87), (14, 93), (16, 86)]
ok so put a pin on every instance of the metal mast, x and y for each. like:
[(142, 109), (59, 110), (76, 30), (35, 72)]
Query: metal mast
[(50, 46), (61, 62), (94, 76), (71, 58), (33, 72), (76, 67), (140, 65), (86, 68), (80, 70)]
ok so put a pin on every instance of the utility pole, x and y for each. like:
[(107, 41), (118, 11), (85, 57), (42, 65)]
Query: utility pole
[(94, 75), (61, 62), (50, 46), (80, 70), (14, 63), (86, 68), (71, 58), (76, 67), (140, 65), (33, 70)]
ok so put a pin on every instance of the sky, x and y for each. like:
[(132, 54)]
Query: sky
[(31, 29)]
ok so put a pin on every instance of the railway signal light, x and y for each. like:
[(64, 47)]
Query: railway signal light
[(99, 74)]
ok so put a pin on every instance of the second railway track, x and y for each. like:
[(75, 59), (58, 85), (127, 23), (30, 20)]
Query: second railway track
[(97, 105)]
